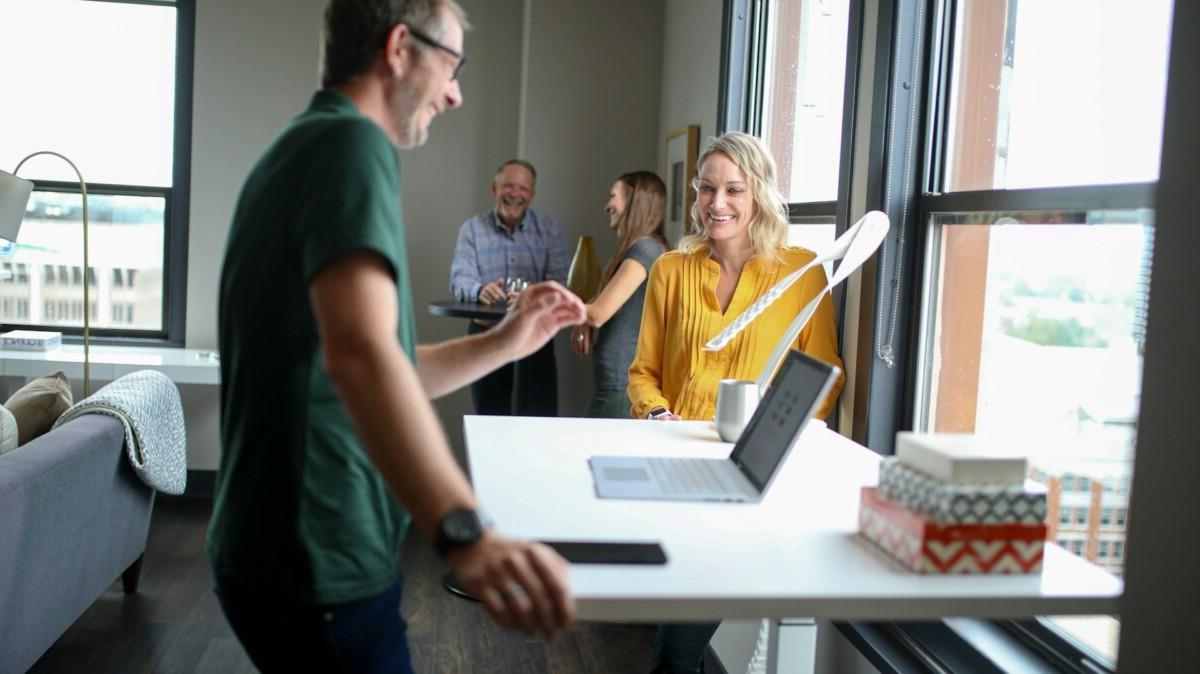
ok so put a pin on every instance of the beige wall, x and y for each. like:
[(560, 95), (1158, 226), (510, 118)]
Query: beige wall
[(590, 114), (255, 67), (591, 111), (691, 65)]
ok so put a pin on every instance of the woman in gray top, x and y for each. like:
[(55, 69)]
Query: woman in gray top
[(636, 205)]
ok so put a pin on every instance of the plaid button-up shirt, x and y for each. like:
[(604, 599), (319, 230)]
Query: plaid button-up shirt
[(486, 251)]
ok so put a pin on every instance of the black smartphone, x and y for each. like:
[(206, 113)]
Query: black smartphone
[(609, 552)]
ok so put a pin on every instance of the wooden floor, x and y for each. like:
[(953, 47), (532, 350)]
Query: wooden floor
[(173, 624)]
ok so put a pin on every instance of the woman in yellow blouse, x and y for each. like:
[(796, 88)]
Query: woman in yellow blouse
[(697, 290)]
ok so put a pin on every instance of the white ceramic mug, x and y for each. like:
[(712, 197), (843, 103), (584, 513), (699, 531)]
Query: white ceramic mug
[(736, 402)]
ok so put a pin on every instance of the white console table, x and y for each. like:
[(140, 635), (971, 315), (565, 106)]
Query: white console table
[(183, 366)]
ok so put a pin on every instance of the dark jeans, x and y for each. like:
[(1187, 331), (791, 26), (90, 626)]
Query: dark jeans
[(366, 635), (609, 405), (526, 388), (679, 648)]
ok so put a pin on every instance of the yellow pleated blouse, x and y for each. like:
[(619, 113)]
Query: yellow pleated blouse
[(671, 369)]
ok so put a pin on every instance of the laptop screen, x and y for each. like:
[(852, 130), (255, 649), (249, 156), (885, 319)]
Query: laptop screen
[(798, 389)]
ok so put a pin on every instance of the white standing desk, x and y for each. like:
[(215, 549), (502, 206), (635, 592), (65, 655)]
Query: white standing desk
[(106, 363), (794, 554)]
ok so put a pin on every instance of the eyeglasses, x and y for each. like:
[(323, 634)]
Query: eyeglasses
[(462, 58)]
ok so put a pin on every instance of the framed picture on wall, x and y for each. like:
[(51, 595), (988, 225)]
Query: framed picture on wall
[(682, 146)]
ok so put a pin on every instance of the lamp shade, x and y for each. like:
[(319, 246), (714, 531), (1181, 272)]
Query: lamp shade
[(14, 196)]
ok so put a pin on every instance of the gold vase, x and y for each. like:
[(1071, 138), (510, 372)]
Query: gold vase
[(583, 279)]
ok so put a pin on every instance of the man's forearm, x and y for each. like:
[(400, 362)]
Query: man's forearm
[(448, 366)]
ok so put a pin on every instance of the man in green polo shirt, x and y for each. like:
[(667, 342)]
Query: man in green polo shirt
[(329, 438)]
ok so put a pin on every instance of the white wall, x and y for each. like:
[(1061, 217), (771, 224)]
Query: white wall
[(590, 114), (691, 67), (592, 109), (447, 180), (255, 67)]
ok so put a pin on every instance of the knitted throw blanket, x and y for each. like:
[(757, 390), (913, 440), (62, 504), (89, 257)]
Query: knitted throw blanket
[(147, 403)]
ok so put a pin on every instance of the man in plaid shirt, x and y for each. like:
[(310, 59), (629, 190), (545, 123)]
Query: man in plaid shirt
[(494, 249)]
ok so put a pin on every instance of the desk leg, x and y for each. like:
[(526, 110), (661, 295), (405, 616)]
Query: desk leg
[(793, 646)]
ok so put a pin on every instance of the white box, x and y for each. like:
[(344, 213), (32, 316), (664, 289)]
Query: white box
[(31, 340), (959, 458)]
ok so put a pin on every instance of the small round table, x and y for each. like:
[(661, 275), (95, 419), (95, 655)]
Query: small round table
[(453, 309)]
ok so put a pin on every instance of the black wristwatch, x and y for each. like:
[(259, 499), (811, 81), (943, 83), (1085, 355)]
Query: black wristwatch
[(460, 528)]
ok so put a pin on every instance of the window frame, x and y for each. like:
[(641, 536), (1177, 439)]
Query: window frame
[(744, 81), (902, 82), (741, 91), (176, 207), (1051, 642)]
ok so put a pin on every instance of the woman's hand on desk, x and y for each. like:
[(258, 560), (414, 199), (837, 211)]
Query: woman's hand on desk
[(523, 584)]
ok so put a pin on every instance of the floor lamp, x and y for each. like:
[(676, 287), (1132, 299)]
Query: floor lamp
[(14, 196)]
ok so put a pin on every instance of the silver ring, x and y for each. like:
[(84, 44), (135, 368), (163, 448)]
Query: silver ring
[(579, 338), (512, 592)]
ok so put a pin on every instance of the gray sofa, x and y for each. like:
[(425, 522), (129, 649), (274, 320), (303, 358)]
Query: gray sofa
[(73, 517)]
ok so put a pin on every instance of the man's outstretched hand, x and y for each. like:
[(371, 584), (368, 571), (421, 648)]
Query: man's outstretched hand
[(522, 584), (538, 314)]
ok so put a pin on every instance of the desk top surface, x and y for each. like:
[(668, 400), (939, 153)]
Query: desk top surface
[(794, 554)]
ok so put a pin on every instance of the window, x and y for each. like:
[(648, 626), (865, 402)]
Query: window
[(1047, 94), (128, 132), (1015, 146), (797, 64), (803, 99), (1039, 230), (1106, 516)]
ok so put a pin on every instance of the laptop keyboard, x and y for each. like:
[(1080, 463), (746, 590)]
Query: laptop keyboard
[(687, 476)]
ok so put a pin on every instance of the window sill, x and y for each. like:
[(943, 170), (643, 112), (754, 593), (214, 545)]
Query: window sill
[(957, 644), (106, 363)]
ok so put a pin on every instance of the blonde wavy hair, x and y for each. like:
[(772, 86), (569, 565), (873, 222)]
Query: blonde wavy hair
[(768, 227)]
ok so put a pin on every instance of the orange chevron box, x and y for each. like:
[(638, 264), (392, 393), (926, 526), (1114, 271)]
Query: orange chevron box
[(927, 547)]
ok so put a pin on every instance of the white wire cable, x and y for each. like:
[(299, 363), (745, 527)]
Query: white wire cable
[(853, 248), (837, 250)]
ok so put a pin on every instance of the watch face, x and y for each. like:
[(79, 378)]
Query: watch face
[(462, 527)]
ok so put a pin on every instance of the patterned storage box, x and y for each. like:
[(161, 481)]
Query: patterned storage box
[(927, 547), (960, 504)]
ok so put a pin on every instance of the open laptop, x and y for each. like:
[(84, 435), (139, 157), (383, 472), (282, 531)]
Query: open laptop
[(745, 475)]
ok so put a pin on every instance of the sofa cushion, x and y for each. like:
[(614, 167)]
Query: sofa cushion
[(38, 404), (8, 431)]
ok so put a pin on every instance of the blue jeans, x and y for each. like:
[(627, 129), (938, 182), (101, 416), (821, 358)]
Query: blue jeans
[(365, 635), (679, 648)]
